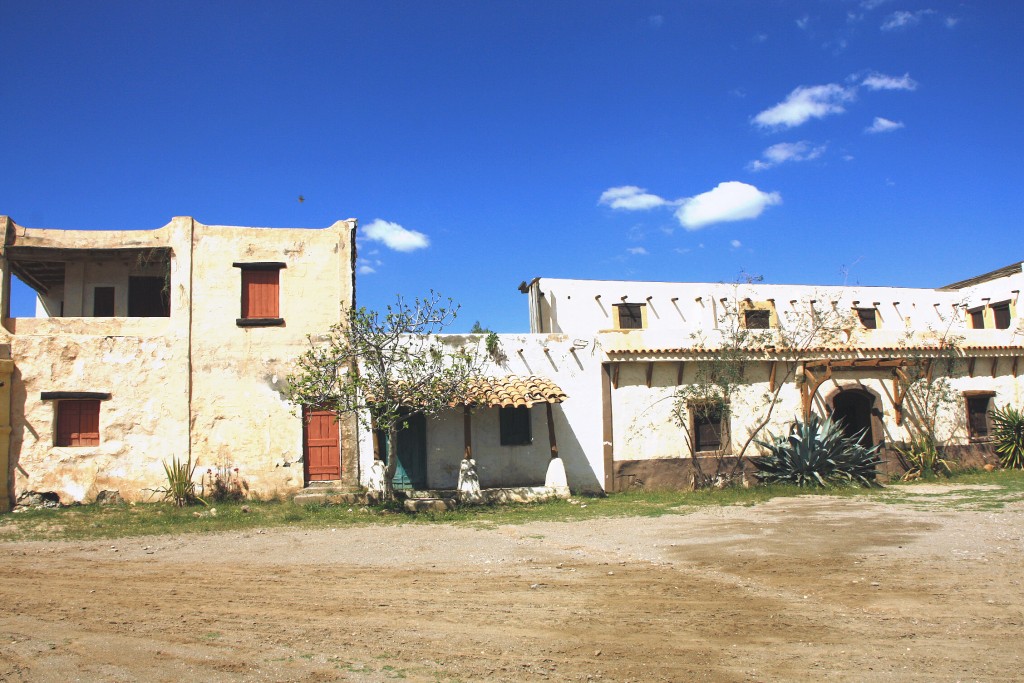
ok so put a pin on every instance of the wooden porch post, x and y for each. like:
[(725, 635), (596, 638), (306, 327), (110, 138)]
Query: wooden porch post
[(467, 429), (551, 432)]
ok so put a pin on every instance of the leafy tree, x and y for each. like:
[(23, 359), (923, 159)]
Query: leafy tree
[(382, 366)]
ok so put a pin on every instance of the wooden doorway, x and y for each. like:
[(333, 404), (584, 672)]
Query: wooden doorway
[(853, 407), (321, 446), (411, 472)]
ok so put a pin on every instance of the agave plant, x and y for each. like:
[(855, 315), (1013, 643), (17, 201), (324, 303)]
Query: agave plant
[(924, 460), (818, 453), (1008, 431)]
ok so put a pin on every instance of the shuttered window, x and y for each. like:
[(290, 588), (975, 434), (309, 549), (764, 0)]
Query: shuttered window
[(260, 293), (1001, 315), (867, 318), (710, 427), (977, 414), (78, 422), (630, 316)]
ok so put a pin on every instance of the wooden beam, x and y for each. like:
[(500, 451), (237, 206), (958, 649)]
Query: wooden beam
[(810, 388), (551, 432), (995, 363), (467, 432), (679, 374), (1015, 366), (771, 377), (650, 373), (899, 392), (615, 376), (970, 367), (606, 429)]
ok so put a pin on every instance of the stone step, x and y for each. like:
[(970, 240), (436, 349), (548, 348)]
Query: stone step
[(330, 495), (429, 504)]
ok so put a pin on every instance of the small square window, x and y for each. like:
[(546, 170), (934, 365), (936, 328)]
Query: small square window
[(1001, 315), (515, 426), (868, 318), (78, 422), (977, 415), (757, 319), (710, 427), (630, 316)]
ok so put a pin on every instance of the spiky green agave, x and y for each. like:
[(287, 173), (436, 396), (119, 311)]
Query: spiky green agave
[(817, 453)]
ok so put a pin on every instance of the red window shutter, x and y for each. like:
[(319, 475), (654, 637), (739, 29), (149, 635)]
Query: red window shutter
[(260, 293), (78, 423)]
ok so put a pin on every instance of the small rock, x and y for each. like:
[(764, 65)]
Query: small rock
[(611, 573), (246, 509), (597, 653), (213, 512)]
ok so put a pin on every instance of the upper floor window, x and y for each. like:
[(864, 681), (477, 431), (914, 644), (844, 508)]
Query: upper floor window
[(868, 318), (261, 294), (977, 318), (757, 319), (1001, 315), (630, 316)]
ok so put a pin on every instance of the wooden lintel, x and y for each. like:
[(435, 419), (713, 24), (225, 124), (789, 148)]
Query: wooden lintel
[(467, 432), (771, 376), (970, 367), (679, 374), (650, 373), (551, 432)]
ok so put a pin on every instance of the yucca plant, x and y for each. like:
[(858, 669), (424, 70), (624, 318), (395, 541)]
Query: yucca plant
[(924, 460), (1008, 432), (180, 489), (816, 454)]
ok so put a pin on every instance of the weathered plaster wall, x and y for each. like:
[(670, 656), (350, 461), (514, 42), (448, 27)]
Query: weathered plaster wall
[(194, 383), (240, 417), (142, 363)]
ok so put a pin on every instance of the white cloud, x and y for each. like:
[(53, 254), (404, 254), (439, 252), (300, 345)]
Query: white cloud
[(735, 244), (881, 125), (656, 21), (630, 198), (877, 81), (805, 103), (363, 267), (729, 201), (903, 19), (394, 236), (872, 4), (803, 22), (637, 251), (786, 151), (950, 22)]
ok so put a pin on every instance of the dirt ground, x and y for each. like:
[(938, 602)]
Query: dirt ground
[(799, 589)]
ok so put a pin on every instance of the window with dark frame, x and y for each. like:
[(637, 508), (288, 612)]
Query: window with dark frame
[(78, 422), (709, 427), (630, 316), (260, 295), (103, 302), (515, 426), (977, 318), (1001, 314), (757, 319), (977, 415), (868, 318)]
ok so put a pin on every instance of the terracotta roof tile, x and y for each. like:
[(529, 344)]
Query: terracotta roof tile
[(513, 390)]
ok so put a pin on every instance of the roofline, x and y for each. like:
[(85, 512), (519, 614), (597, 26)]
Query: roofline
[(1012, 269)]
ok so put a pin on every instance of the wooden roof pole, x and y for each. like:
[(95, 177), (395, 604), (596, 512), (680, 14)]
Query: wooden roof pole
[(551, 432), (467, 430)]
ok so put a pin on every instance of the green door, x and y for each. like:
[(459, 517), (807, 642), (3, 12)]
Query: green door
[(411, 472)]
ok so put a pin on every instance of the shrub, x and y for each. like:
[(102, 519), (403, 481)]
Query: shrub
[(224, 484), (1008, 432), (924, 460), (818, 453)]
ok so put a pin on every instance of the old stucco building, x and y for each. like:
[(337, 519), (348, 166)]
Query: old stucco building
[(174, 342)]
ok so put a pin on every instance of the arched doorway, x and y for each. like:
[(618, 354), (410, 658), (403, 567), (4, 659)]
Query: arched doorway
[(853, 407)]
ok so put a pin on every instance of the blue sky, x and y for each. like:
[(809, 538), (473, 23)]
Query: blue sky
[(481, 144)]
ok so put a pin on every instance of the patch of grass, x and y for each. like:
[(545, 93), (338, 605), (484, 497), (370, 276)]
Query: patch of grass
[(123, 521)]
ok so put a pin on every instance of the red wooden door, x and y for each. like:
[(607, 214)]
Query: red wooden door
[(322, 453)]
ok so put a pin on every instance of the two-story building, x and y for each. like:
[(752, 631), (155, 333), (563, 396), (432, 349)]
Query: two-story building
[(150, 345)]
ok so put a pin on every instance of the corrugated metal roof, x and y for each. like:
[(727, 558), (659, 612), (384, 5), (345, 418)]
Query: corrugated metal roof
[(512, 390)]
